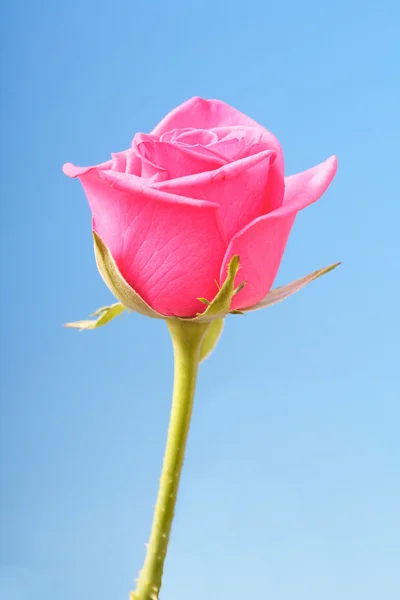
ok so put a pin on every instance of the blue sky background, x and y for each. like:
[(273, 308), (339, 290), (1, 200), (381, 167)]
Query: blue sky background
[(291, 486)]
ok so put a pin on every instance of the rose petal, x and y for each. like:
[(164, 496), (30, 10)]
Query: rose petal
[(168, 248), (73, 171), (195, 137), (233, 145), (211, 114), (175, 159), (255, 139), (261, 244), (313, 182), (203, 114), (239, 188), (126, 162)]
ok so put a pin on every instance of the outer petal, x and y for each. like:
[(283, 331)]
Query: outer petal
[(73, 171), (261, 244), (239, 188), (209, 114), (168, 248), (126, 161), (312, 183), (203, 114)]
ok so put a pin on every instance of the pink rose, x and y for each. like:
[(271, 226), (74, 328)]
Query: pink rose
[(206, 184)]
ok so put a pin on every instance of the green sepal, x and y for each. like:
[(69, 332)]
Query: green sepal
[(283, 292), (219, 307), (211, 338), (104, 315), (239, 288), (117, 284)]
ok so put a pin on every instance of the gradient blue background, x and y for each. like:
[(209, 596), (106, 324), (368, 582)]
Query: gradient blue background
[(291, 486)]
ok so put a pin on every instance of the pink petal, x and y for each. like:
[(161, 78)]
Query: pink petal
[(234, 145), (238, 131), (195, 137), (203, 114), (210, 114), (313, 182), (261, 244), (168, 248), (239, 188), (175, 159), (72, 171), (126, 162)]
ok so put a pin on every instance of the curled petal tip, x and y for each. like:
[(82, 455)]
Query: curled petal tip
[(324, 176), (72, 171), (332, 162)]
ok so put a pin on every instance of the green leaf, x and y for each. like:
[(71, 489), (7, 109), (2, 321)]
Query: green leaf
[(219, 307), (211, 338), (104, 315), (117, 284), (283, 292)]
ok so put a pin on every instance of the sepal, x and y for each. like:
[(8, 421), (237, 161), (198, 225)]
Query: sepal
[(211, 338), (217, 308), (220, 306), (104, 315), (283, 292), (117, 284)]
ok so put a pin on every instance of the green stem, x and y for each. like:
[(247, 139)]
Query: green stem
[(186, 340)]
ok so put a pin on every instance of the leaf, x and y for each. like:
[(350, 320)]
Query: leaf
[(104, 315), (117, 284), (211, 338), (283, 292), (219, 307)]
